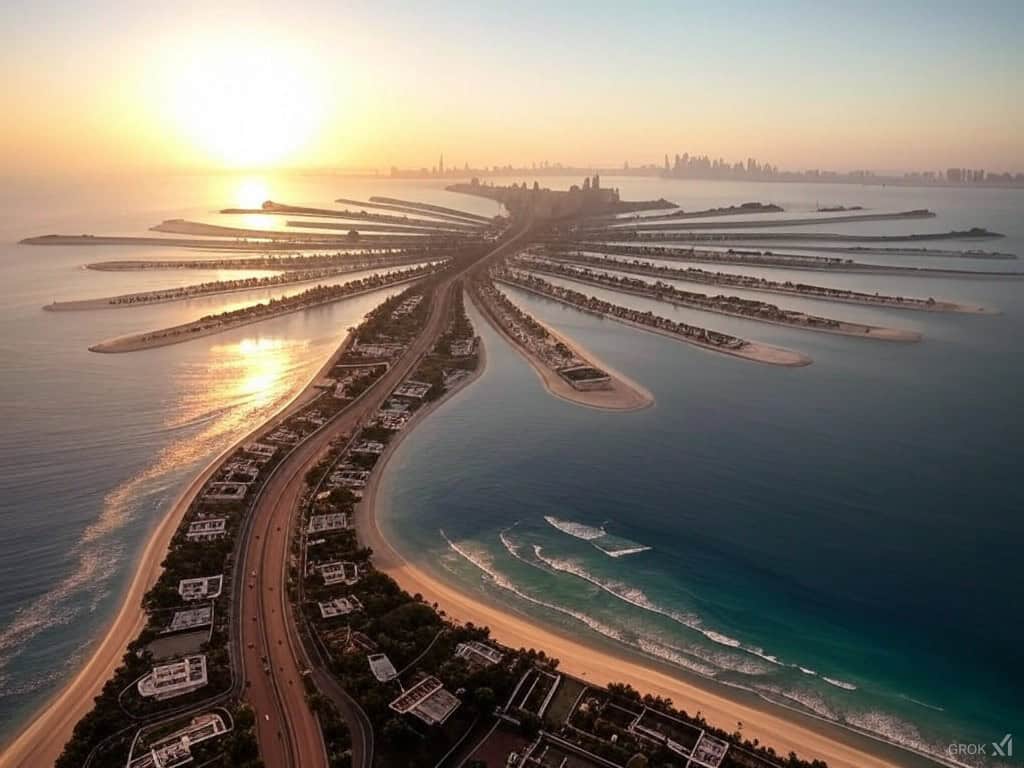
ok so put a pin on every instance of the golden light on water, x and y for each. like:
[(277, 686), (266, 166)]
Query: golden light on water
[(251, 192), (263, 364)]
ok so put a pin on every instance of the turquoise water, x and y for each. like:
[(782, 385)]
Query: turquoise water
[(839, 539)]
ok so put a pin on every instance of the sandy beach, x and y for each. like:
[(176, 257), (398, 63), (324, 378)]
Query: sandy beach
[(624, 395), (596, 665), (751, 350), (844, 328), (710, 278), (179, 334), (42, 740)]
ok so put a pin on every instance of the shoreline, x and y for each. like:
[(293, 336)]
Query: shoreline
[(107, 302), (801, 263), (856, 330), (774, 287), (48, 729), (624, 397), (753, 351), (136, 342), (583, 659)]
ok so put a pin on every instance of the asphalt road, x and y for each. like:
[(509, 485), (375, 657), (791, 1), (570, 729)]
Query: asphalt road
[(272, 655)]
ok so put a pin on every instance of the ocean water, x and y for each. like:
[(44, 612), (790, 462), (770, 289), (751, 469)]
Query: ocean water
[(840, 540), (95, 448)]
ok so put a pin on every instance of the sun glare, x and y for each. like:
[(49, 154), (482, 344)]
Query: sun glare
[(251, 104), (251, 192)]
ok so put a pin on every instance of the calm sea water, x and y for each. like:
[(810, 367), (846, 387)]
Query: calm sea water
[(841, 539), (95, 448)]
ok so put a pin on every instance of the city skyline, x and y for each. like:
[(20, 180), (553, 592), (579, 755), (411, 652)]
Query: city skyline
[(890, 89)]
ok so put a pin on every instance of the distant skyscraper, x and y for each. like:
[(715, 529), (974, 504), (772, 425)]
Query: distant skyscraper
[(440, 166)]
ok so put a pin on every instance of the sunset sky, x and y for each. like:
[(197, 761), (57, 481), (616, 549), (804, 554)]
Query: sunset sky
[(98, 85)]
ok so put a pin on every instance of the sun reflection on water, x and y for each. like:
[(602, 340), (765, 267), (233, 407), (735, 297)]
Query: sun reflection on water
[(239, 385), (251, 192)]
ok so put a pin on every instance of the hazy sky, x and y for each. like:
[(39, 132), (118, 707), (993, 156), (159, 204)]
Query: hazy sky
[(97, 84)]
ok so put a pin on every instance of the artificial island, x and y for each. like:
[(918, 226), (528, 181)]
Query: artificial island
[(271, 621)]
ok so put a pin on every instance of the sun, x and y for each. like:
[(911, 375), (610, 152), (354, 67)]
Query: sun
[(245, 104)]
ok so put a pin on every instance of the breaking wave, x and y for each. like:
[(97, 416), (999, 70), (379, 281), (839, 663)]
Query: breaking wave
[(699, 660), (599, 538), (483, 563), (839, 683), (579, 530)]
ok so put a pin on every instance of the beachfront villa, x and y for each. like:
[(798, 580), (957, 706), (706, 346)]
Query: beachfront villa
[(190, 618), (203, 588), (369, 447), (207, 529), (414, 390), (377, 350), (452, 376), (585, 378), (340, 573), (428, 700), (382, 667), (167, 681), (340, 606), (407, 307), (261, 451), (240, 472), (463, 347), (313, 417), (478, 653), (226, 491), (348, 374), (335, 521), (283, 435), (175, 749), (349, 477)]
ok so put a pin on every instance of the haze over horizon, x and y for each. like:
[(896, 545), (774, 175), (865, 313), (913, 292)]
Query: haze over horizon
[(101, 87)]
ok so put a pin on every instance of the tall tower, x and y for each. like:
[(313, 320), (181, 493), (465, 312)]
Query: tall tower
[(440, 166)]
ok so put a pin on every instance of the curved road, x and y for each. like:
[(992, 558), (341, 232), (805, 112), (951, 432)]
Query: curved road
[(273, 658)]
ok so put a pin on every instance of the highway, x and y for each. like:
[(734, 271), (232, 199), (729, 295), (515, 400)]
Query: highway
[(272, 655)]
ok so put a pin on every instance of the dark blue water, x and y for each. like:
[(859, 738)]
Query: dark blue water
[(840, 539)]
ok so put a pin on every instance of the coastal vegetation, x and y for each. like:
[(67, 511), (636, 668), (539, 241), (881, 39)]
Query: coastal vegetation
[(366, 259), (727, 210), (104, 735), (312, 297), (215, 287), (692, 334), (734, 306), (270, 207), (567, 371), (350, 610), (749, 282), (642, 225), (500, 693), (974, 233), (745, 258)]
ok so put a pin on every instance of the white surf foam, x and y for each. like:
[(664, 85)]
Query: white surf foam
[(636, 597), (839, 683), (623, 552), (613, 546), (578, 530), (483, 563), (676, 657)]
